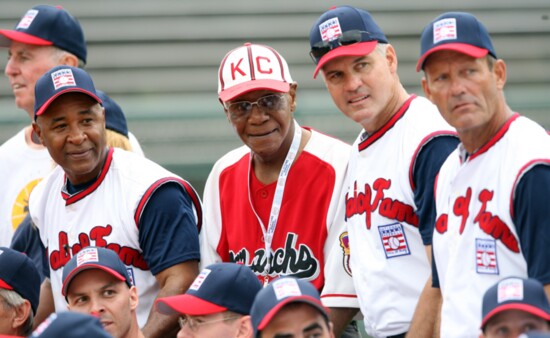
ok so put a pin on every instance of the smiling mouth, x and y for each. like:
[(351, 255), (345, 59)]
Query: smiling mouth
[(359, 99), (264, 134)]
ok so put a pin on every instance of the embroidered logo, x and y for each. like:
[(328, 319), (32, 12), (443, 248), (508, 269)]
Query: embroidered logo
[(200, 279), (486, 256), (27, 19), (445, 29), (394, 240), (330, 29), (130, 271), (510, 289), (344, 244), (87, 255), (63, 78)]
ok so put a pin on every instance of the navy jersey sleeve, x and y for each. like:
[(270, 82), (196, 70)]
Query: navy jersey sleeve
[(26, 239), (435, 276), (532, 221), (426, 167), (168, 233)]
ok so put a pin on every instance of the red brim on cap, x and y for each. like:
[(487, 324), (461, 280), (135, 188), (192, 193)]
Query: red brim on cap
[(187, 304), (516, 306), (81, 268), (297, 299), (24, 38), (356, 49), (243, 88), (4, 285), (68, 90), (463, 48)]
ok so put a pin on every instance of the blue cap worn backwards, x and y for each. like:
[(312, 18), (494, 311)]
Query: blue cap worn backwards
[(457, 31)]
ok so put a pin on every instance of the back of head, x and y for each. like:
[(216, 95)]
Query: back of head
[(18, 273), (45, 25), (343, 31), (70, 324), (514, 293), (279, 293), (456, 31), (218, 287)]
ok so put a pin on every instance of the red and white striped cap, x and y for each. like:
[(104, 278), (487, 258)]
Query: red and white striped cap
[(252, 67)]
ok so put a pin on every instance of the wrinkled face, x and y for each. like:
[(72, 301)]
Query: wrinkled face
[(512, 323), (297, 320), (26, 64), (209, 326), (73, 130), (464, 89), (266, 131), (99, 293), (363, 87)]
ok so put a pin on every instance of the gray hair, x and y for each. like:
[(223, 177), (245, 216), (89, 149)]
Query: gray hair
[(10, 300), (58, 53)]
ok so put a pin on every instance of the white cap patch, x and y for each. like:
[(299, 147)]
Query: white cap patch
[(87, 255), (330, 29), (200, 279), (510, 289), (27, 19), (286, 287), (445, 29), (63, 78)]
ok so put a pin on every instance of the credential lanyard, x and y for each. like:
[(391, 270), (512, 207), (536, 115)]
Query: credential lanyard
[(277, 199)]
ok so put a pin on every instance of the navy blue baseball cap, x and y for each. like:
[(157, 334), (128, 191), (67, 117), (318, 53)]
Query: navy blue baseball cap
[(280, 292), (343, 31), (93, 257), (45, 25), (70, 324), (114, 116), (58, 81), (457, 31), (218, 287), (18, 273), (514, 293)]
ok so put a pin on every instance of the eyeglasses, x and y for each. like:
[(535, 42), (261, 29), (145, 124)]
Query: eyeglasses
[(347, 38), (194, 324), (266, 104)]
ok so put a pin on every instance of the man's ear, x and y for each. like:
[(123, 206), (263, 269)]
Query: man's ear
[(245, 327), (134, 300), (69, 59), (426, 88), (36, 129), (22, 313)]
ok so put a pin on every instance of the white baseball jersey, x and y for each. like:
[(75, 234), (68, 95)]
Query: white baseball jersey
[(21, 168), (308, 242), (388, 256), (475, 242), (105, 214)]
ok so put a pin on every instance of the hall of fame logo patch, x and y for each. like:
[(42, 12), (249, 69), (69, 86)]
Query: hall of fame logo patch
[(394, 240), (486, 256), (344, 244)]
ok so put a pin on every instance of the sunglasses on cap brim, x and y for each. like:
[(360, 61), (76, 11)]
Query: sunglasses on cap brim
[(347, 38)]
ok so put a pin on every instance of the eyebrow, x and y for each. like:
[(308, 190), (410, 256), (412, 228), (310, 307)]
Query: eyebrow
[(80, 113), (312, 327)]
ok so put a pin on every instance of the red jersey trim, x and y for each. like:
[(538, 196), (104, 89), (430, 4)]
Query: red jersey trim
[(520, 174), (70, 199), (495, 138), (425, 141), (338, 295), (380, 132), (186, 186)]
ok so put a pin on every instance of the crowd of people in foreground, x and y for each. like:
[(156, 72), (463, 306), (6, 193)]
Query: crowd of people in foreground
[(432, 223)]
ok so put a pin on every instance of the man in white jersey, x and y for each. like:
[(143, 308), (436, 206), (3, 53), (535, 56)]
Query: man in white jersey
[(271, 203), (492, 192), (46, 36), (389, 188), (110, 198)]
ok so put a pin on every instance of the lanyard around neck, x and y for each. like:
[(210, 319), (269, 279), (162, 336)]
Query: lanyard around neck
[(277, 199)]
